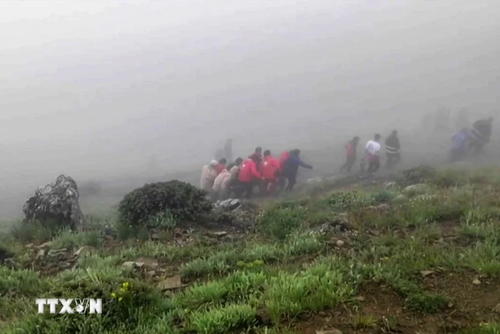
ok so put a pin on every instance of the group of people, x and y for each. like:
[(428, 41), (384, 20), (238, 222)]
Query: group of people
[(471, 139), (372, 153), (260, 170)]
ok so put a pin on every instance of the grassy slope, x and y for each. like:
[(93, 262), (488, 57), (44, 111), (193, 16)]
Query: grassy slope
[(286, 279)]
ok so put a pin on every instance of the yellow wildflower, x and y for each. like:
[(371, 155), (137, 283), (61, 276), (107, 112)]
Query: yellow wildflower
[(113, 295), (120, 299)]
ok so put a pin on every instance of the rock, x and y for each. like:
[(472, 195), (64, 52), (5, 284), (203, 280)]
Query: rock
[(416, 189), (150, 273), (148, 262), (322, 314), (426, 273), (57, 201), (85, 251), (476, 282), (29, 246), (228, 204), (391, 185), (330, 331), (171, 283), (132, 264), (450, 305), (359, 298), (155, 236), (340, 243), (46, 244), (497, 309), (218, 234), (40, 254)]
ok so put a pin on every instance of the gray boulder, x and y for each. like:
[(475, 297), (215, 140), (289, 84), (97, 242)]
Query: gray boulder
[(56, 202)]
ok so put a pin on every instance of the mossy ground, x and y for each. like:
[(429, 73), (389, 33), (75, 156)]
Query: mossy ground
[(405, 264)]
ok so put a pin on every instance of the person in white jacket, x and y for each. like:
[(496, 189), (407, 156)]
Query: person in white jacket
[(208, 175), (221, 185)]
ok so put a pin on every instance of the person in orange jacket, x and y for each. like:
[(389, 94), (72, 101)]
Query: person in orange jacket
[(248, 177), (221, 165), (282, 180), (269, 171)]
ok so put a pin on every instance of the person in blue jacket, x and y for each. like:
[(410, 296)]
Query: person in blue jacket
[(291, 167), (459, 145)]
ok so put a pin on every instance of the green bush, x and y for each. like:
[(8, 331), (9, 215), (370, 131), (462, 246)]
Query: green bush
[(182, 200), (279, 223), (416, 175)]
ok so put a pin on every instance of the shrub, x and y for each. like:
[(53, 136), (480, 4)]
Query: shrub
[(344, 201), (279, 223), (182, 200), (416, 175), (162, 220)]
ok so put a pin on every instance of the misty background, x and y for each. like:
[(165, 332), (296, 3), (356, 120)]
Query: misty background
[(128, 91)]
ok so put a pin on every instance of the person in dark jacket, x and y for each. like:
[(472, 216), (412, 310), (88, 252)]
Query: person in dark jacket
[(480, 134), (392, 147), (257, 157), (291, 167), (351, 154)]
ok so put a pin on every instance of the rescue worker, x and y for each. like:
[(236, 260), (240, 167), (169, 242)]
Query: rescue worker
[(221, 165), (234, 169), (208, 175), (257, 157), (248, 177), (459, 145), (372, 149), (269, 171), (392, 147), (282, 180), (291, 167), (351, 154), (480, 134), (221, 185)]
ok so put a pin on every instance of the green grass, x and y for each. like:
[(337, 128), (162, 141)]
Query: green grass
[(276, 275)]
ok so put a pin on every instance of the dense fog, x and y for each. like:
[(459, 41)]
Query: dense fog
[(127, 92)]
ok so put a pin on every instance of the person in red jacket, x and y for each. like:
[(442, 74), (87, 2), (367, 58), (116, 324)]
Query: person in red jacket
[(257, 157), (269, 170), (248, 177), (221, 165), (351, 153)]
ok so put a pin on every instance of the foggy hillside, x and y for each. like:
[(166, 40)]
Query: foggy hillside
[(94, 90)]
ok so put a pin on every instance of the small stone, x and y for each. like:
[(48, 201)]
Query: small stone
[(340, 243), (476, 282), (219, 234), (131, 264), (330, 331), (46, 244), (148, 262), (359, 298), (41, 253), (450, 305), (29, 245), (171, 283), (426, 273), (322, 314), (85, 251)]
